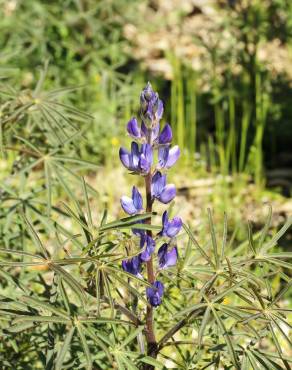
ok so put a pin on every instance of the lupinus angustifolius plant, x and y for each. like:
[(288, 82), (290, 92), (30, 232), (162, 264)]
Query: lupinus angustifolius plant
[(148, 138), (228, 274), (82, 292)]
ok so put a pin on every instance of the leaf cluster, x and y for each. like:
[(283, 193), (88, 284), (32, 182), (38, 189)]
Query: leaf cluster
[(65, 302)]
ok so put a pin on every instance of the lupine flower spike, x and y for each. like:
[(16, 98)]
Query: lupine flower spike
[(147, 138)]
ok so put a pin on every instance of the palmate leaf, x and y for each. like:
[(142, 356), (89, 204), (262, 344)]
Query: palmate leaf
[(44, 108)]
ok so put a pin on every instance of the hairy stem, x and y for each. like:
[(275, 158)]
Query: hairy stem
[(150, 332)]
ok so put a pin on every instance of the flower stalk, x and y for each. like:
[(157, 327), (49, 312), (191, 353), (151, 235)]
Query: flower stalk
[(147, 139), (150, 333)]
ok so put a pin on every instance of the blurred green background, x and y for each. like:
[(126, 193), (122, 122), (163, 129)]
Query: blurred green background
[(223, 69)]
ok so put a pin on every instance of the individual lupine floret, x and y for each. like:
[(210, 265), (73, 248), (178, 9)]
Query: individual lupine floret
[(165, 135), (148, 245), (170, 228), (134, 130), (151, 106), (138, 160), (159, 190), (167, 157), (132, 205), (155, 293), (133, 266), (140, 133), (166, 257)]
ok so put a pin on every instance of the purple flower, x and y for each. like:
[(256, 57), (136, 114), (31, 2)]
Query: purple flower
[(167, 157), (155, 293), (134, 129), (151, 106), (159, 190), (165, 136), (167, 258), (133, 266), (139, 160), (132, 205), (149, 244), (141, 133), (154, 132), (170, 228)]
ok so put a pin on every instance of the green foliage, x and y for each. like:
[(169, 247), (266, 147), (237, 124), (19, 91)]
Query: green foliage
[(66, 303), (84, 43)]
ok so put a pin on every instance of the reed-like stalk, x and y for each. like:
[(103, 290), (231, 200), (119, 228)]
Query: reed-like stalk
[(191, 111), (231, 150), (220, 133), (245, 122), (260, 119)]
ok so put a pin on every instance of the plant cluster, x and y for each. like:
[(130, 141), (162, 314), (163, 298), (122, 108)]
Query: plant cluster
[(73, 288)]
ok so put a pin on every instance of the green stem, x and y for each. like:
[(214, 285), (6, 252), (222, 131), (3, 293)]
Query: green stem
[(150, 332)]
